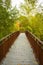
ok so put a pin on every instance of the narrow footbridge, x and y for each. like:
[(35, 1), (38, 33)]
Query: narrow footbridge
[(21, 49)]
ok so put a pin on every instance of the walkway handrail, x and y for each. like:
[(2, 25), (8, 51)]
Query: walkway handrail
[(6, 37), (6, 42), (37, 46), (39, 42)]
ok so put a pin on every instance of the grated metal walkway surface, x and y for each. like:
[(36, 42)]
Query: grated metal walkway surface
[(20, 53)]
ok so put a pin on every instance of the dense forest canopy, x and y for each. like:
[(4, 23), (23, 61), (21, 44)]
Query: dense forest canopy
[(29, 16)]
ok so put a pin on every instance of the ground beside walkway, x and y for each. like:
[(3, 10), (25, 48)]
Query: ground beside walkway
[(20, 53)]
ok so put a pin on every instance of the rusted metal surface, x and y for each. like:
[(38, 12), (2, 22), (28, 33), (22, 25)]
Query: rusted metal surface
[(37, 46), (6, 43)]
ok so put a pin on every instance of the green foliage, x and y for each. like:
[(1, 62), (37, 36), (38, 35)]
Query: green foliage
[(32, 2), (3, 21), (25, 8), (11, 20), (36, 23), (24, 22), (7, 3), (7, 19)]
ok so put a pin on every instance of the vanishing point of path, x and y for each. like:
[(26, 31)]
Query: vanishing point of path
[(20, 53)]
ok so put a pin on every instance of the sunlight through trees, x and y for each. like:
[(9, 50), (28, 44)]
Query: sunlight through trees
[(27, 16)]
